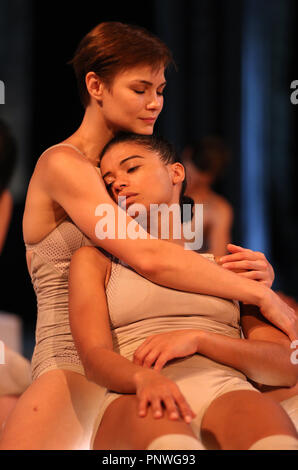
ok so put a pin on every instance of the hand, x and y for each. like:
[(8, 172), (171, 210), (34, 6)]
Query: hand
[(163, 347), (291, 301), (153, 389), (279, 313), (247, 263)]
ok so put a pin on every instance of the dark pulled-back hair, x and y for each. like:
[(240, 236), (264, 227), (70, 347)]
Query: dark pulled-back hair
[(112, 47), (158, 144), (8, 156)]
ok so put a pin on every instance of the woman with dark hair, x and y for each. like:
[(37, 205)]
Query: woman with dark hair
[(120, 71), (123, 324)]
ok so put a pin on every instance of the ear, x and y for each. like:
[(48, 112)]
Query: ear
[(178, 172), (94, 86)]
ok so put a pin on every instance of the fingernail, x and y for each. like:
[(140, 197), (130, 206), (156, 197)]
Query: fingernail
[(188, 419), (174, 415)]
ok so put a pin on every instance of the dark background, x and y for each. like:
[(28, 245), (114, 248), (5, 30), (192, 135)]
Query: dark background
[(236, 61)]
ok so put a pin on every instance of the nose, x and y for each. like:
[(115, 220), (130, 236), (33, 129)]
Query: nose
[(155, 102), (119, 185)]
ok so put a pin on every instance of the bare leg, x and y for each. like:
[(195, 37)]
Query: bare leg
[(7, 404), (238, 419), (57, 411), (122, 429)]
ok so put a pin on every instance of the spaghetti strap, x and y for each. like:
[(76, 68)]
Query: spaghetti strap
[(66, 145)]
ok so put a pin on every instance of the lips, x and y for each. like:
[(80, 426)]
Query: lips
[(125, 198), (149, 120)]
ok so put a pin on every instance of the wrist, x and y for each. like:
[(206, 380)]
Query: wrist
[(258, 294), (201, 337), (141, 374)]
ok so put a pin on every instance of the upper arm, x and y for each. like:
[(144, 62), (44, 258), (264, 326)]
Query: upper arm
[(220, 228), (88, 308), (256, 327)]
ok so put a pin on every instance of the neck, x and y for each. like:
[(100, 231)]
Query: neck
[(92, 135)]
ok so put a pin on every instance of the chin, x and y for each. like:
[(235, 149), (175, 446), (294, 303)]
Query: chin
[(144, 130)]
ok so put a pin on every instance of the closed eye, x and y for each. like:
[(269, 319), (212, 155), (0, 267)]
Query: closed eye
[(132, 169), (108, 185)]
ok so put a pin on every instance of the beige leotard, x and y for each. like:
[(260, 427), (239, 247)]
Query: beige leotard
[(49, 266)]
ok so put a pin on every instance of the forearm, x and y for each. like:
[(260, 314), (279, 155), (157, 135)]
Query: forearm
[(189, 271), (262, 361), (111, 370)]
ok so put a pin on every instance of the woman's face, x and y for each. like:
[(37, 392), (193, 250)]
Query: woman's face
[(134, 100), (130, 170)]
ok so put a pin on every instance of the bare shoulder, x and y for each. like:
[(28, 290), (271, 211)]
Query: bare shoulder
[(222, 210), (221, 203), (60, 158)]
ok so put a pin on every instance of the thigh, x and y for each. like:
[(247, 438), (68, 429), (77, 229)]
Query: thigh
[(237, 419), (122, 429), (57, 411), (7, 404)]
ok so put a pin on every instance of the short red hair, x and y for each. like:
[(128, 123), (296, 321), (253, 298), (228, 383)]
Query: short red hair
[(111, 47)]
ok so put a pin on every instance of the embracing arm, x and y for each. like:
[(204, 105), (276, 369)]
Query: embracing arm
[(264, 356), (76, 186)]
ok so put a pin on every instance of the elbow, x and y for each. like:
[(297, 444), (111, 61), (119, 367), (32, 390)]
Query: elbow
[(149, 265), (88, 374), (293, 376), (290, 375)]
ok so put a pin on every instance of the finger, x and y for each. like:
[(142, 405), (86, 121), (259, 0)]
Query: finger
[(246, 264), (160, 362), (255, 275), (156, 407), (185, 410), (172, 410), (150, 358), (235, 248), (140, 354), (247, 255), (143, 406)]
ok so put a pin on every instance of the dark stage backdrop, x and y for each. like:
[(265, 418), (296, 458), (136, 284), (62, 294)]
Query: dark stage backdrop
[(236, 61)]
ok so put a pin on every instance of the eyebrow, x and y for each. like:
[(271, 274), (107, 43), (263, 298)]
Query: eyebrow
[(123, 161), (149, 83)]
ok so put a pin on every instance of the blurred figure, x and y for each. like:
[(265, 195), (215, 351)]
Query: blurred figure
[(8, 152), (15, 370), (205, 162)]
